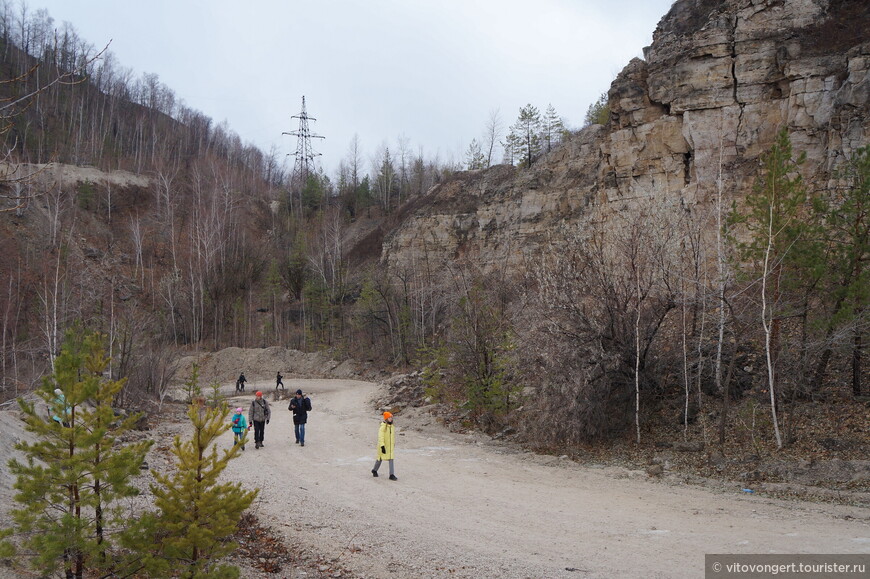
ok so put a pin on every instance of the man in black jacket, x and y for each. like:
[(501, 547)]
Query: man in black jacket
[(300, 405)]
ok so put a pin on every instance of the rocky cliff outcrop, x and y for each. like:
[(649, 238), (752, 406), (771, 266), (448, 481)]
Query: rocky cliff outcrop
[(720, 79)]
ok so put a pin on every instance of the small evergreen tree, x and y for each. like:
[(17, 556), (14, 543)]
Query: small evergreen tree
[(553, 128), (847, 236), (313, 194), (385, 180), (76, 474), (215, 398), (474, 157), (192, 389), (526, 135), (364, 193), (294, 269), (475, 361), (510, 146), (196, 513), (598, 112)]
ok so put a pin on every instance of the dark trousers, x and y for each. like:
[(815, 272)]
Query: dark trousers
[(259, 430)]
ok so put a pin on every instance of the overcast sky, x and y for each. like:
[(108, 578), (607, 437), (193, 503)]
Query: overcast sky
[(430, 72)]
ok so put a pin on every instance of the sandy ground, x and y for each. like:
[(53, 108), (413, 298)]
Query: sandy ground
[(468, 507)]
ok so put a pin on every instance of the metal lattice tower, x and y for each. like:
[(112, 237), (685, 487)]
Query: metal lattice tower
[(304, 154)]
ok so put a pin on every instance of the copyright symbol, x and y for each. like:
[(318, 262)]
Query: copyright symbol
[(717, 566)]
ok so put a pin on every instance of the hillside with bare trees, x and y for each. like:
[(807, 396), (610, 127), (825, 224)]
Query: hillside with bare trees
[(693, 268), (676, 293)]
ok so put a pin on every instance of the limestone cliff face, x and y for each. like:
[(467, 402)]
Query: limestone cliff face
[(720, 79)]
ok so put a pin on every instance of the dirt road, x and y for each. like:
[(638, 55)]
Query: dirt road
[(466, 507)]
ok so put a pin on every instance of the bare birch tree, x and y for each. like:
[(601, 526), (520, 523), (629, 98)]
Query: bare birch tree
[(604, 298), (492, 134), (772, 217)]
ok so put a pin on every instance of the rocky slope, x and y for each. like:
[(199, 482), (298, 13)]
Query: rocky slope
[(261, 364), (720, 79)]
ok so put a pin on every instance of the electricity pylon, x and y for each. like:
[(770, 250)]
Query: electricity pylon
[(305, 155)]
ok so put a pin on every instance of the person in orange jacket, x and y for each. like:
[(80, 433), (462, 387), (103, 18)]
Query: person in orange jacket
[(386, 444)]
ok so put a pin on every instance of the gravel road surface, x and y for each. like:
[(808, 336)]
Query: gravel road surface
[(468, 507)]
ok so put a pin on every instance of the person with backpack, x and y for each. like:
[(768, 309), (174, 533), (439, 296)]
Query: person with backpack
[(239, 427), (240, 383), (259, 416), (386, 444), (300, 406)]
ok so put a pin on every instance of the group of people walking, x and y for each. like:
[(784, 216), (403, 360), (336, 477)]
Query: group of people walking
[(260, 413)]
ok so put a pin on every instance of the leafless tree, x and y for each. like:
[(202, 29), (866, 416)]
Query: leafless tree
[(492, 134), (603, 298), (136, 239), (11, 320), (54, 296), (404, 166), (354, 161), (384, 172), (724, 276)]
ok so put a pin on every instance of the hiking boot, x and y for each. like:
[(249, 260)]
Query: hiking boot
[(393, 477), (301, 444), (243, 447), (297, 441), (374, 473)]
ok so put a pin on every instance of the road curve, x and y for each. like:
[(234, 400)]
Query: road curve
[(466, 507)]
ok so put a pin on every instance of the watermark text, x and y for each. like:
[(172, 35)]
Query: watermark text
[(786, 566)]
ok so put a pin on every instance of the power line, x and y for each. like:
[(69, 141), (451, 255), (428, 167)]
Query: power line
[(304, 154)]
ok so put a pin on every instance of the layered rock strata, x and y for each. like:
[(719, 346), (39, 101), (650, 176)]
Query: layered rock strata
[(720, 79)]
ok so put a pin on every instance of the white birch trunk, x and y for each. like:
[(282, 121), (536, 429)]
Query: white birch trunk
[(685, 366), (721, 266), (766, 323), (637, 363)]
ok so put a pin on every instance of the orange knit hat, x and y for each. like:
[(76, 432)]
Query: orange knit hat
[(388, 415)]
